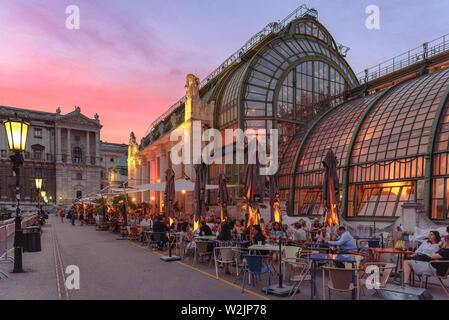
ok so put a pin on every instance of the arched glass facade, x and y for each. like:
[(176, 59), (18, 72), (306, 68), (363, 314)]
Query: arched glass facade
[(392, 147), (288, 80)]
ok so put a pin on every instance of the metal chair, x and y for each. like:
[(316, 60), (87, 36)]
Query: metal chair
[(440, 276), (290, 254), (339, 280), (201, 250), (254, 266), (156, 239), (385, 270), (301, 269), (224, 255)]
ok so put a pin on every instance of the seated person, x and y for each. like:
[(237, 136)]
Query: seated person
[(300, 232), (277, 231), (205, 230), (160, 227), (419, 261), (315, 229), (323, 234), (257, 235), (345, 241)]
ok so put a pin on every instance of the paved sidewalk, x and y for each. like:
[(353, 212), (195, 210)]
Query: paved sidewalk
[(38, 281)]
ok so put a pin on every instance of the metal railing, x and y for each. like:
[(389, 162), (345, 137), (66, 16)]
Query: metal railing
[(273, 27), (427, 50)]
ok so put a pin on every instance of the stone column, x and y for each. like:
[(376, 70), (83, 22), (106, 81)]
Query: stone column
[(87, 148), (69, 146), (58, 145), (97, 148)]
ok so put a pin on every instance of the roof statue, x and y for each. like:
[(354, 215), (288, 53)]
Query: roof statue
[(58, 110), (133, 147), (192, 86), (97, 117)]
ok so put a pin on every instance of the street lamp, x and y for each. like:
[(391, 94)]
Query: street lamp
[(38, 187), (16, 132)]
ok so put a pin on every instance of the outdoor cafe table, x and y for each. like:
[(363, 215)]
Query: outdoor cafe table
[(265, 247), (206, 238), (330, 257), (400, 253)]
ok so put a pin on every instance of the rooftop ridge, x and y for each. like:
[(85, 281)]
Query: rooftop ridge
[(403, 60)]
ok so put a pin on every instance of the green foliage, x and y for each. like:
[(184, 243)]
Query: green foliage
[(101, 205), (120, 200)]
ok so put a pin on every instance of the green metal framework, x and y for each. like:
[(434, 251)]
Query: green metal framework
[(393, 134)]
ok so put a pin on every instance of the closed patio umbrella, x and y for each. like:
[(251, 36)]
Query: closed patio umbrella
[(223, 196), (253, 189), (169, 202), (330, 190), (169, 192), (200, 193), (275, 202)]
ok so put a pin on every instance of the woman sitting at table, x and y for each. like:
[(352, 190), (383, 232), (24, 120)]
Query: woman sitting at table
[(425, 253), (258, 237), (238, 230), (277, 231)]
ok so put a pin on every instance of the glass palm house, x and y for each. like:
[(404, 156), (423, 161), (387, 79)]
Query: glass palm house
[(390, 132)]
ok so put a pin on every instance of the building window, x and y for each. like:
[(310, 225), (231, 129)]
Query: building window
[(79, 176), (3, 153), (79, 194), (37, 154), (102, 175), (38, 133), (101, 187), (27, 155), (112, 159), (77, 138), (49, 157), (38, 173), (77, 155)]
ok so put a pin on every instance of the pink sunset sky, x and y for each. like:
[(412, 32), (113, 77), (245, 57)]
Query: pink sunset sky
[(128, 60)]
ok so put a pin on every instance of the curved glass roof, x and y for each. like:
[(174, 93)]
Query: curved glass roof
[(227, 112), (400, 125), (334, 132), (271, 65)]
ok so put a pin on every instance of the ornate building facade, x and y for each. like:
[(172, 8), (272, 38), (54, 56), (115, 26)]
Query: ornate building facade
[(64, 150)]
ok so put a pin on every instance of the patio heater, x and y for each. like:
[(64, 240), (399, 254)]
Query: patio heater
[(169, 199), (16, 132)]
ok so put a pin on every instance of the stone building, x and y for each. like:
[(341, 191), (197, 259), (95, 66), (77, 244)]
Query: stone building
[(388, 126), (62, 149)]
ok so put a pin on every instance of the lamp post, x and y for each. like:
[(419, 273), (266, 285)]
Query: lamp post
[(38, 188), (16, 132)]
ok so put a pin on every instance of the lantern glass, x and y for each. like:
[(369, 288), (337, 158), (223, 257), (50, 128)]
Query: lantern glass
[(38, 183), (16, 132), (43, 194)]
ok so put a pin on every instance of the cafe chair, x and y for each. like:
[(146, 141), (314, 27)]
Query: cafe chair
[(156, 240), (290, 254), (444, 264), (254, 266), (300, 272), (223, 255), (339, 280), (201, 250), (385, 270), (133, 233)]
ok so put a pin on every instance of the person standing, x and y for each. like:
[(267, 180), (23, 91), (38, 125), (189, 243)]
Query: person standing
[(73, 216), (62, 215)]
